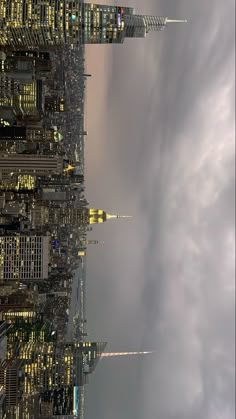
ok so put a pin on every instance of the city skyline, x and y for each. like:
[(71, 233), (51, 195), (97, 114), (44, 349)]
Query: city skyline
[(151, 133)]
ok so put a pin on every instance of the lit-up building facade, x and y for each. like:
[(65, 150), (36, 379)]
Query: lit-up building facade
[(54, 104), (26, 134), (17, 183), (24, 257), (36, 22), (25, 99), (27, 315), (83, 216), (26, 328), (22, 331), (55, 372), (53, 366), (29, 164)]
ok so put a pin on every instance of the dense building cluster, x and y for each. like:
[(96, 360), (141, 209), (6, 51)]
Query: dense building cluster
[(44, 217)]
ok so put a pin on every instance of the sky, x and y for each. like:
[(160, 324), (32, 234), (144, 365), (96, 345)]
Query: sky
[(160, 147)]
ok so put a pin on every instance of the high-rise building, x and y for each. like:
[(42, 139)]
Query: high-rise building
[(17, 183), (27, 139), (29, 134), (55, 366), (54, 104), (24, 257), (22, 61), (18, 316), (11, 381), (25, 98), (44, 23), (12, 133), (29, 164), (22, 331), (3, 412), (43, 215)]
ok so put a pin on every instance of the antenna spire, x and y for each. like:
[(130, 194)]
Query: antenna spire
[(176, 20), (118, 216), (94, 242), (113, 354)]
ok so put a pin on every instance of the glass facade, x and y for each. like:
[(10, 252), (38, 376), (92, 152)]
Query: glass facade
[(56, 22), (23, 257)]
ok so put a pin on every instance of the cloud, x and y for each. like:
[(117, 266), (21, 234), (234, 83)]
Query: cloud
[(189, 292), (166, 281)]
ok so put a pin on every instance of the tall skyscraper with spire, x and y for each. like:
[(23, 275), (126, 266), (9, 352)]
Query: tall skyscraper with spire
[(58, 22), (70, 216)]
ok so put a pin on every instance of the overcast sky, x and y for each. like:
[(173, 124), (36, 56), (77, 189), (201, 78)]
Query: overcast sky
[(161, 148)]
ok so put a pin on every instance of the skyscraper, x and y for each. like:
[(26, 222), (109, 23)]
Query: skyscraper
[(41, 23), (43, 215), (24, 257), (59, 365), (29, 164), (28, 134)]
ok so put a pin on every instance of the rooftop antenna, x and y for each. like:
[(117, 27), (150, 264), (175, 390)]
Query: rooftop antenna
[(118, 216), (116, 354), (176, 20)]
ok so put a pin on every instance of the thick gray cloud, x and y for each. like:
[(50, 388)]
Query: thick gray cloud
[(161, 147)]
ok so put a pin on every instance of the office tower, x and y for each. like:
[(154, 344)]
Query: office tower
[(22, 331), (23, 257), (43, 215), (4, 329), (66, 363), (8, 304), (52, 366), (29, 164), (17, 183), (2, 404), (27, 134), (18, 69), (22, 139), (22, 61), (54, 103), (12, 133), (25, 98), (58, 22), (11, 382), (27, 315)]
